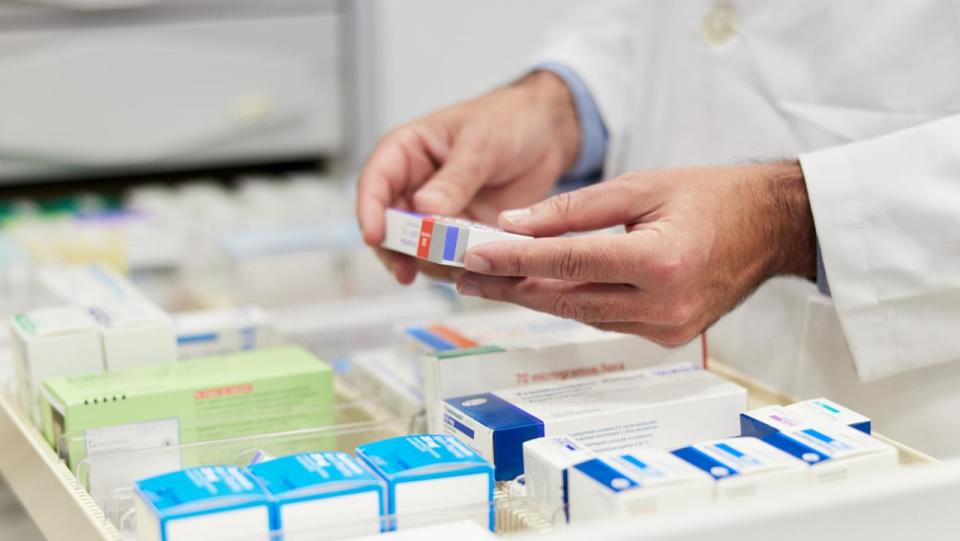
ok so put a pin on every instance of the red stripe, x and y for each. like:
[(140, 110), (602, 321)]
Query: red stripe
[(426, 232)]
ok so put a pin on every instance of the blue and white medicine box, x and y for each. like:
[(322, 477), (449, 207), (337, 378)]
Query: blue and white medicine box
[(636, 483), (835, 452), (431, 478), (546, 464), (763, 421), (206, 503), (327, 491), (746, 468), (666, 406), (821, 408)]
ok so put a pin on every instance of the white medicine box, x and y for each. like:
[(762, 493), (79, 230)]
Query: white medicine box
[(208, 503), (322, 495), (835, 452), (644, 482), (135, 333), (546, 462), (431, 478)]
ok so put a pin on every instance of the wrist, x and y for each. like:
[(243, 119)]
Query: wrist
[(551, 97), (794, 239)]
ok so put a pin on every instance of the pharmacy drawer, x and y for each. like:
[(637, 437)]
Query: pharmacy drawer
[(63, 510), (176, 94)]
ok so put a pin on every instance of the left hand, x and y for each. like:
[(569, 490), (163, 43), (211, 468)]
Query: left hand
[(697, 242)]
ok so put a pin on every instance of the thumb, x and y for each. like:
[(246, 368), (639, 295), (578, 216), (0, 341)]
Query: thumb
[(452, 188), (587, 209)]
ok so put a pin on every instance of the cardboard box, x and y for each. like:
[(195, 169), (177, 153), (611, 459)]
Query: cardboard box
[(835, 452), (134, 333), (498, 349), (431, 478), (666, 406), (163, 406), (761, 422), (546, 464), (746, 468), (322, 495), (50, 342), (636, 483), (209, 503), (440, 239), (392, 379), (227, 330), (89, 284)]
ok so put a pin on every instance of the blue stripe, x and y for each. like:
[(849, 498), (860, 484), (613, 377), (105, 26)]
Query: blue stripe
[(633, 460), (819, 435), (828, 407), (727, 449), (793, 447), (703, 461), (450, 243), (606, 474), (430, 339), (196, 338)]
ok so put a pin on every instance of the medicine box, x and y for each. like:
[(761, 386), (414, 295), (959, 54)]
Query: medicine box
[(498, 349), (665, 406), (746, 468), (135, 333), (835, 452), (216, 398), (327, 494), (88, 284), (546, 463), (440, 239), (392, 378), (767, 420), (228, 330), (49, 342), (636, 483), (431, 478), (208, 503)]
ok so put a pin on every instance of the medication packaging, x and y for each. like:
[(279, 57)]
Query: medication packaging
[(162, 406), (392, 378), (835, 452), (210, 503), (641, 482), (666, 406), (88, 284), (62, 341), (440, 239), (498, 349), (135, 333), (431, 478), (546, 462), (322, 495), (767, 420), (746, 468), (229, 330)]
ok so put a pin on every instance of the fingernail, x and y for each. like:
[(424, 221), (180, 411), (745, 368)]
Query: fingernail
[(469, 288), (476, 263), (432, 200), (515, 216)]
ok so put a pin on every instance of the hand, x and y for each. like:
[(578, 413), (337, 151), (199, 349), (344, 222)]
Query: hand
[(474, 159), (698, 241)]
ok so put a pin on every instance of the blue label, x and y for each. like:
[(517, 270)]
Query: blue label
[(464, 429), (797, 449), (450, 243), (606, 475), (705, 462), (426, 337), (635, 461), (186, 339), (729, 450)]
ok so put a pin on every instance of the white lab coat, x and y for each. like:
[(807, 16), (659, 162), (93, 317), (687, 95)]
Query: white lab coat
[(867, 94)]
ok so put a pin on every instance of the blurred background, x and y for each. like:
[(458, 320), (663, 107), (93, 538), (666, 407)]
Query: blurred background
[(144, 132)]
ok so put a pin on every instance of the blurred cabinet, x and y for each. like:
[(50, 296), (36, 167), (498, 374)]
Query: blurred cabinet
[(166, 84)]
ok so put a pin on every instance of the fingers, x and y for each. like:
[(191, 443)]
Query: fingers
[(451, 189), (611, 203), (664, 335), (591, 258), (403, 267)]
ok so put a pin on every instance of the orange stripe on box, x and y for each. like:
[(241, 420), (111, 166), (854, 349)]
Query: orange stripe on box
[(453, 336), (426, 232)]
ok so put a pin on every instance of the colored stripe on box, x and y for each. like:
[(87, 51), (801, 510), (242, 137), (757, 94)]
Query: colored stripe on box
[(426, 234), (452, 336)]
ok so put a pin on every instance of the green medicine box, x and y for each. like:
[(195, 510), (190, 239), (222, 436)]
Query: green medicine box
[(214, 398)]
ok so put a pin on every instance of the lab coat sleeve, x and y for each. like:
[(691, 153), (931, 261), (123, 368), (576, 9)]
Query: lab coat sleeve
[(887, 214), (597, 42)]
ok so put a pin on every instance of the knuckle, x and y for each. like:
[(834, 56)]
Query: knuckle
[(562, 204), (571, 264), (564, 307)]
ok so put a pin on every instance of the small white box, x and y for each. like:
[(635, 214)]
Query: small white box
[(497, 349), (208, 503), (430, 479), (822, 408), (135, 334), (50, 342), (665, 406), (546, 463), (440, 239), (392, 378), (89, 284), (835, 452), (322, 495), (636, 483), (746, 468), (229, 330)]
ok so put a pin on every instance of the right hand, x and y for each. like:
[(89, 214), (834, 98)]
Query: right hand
[(503, 150)]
